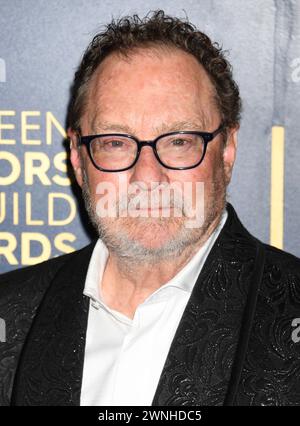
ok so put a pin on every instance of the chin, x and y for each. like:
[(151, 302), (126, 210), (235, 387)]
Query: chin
[(149, 243), (152, 232)]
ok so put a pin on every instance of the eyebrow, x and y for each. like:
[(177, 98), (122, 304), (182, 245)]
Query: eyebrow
[(101, 126)]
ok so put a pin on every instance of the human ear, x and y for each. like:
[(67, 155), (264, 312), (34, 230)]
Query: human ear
[(229, 152), (75, 156)]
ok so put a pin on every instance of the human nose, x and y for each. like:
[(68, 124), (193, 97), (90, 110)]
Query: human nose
[(147, 168)]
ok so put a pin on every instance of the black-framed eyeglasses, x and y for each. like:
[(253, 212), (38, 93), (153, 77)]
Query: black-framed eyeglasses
[(117, 152)]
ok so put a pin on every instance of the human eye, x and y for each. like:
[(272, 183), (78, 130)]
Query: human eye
[(181, 141), (115, 144)]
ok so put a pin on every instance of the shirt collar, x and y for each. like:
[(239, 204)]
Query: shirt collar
[(183, 280)]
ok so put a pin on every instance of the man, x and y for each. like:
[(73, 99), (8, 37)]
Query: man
[(166, 307)]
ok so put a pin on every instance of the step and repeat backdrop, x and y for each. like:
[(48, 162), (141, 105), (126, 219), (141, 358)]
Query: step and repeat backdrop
[(41, 43)]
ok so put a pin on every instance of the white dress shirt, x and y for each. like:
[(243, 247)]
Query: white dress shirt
[(124, 357)]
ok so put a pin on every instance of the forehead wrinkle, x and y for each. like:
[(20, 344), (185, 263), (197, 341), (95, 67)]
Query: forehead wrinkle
[(100, 126)]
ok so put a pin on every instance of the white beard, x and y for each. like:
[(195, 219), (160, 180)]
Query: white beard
[(125, 237)]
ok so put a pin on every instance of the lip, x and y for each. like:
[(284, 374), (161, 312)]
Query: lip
[(156, 208)]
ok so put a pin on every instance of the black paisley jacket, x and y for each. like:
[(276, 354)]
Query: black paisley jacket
[(238, 341)]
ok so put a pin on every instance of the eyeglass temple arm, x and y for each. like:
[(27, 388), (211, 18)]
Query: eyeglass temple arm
[(219, 130)]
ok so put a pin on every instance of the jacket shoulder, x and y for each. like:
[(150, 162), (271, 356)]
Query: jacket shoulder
[(280, 259), (38, 275), (21, 292), (279, 294)]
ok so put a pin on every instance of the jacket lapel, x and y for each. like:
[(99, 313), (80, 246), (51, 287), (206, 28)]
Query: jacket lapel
[(51, 364), (206, 355)]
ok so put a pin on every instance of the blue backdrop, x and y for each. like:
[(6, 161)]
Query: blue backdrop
[(41, 43)]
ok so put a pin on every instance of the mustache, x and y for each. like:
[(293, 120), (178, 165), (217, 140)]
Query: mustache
[(138, 196), (154, 199)]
